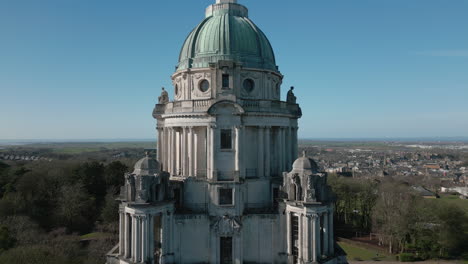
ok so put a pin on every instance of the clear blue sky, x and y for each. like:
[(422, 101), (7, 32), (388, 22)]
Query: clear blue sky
[(87, 69)]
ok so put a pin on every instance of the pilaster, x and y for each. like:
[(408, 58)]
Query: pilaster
[(267, 151), (121, 232), (190, 153), (326, 233), (260, 147)]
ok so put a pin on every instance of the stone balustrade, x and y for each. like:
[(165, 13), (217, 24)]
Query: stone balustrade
[(202, 106)]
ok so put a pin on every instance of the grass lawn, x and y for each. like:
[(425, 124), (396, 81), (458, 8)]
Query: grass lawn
[(94, 236), (360, 253), (454, 199)]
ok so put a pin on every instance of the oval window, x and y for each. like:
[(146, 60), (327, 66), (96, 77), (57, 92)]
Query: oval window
[(249, 85), (204, 86)]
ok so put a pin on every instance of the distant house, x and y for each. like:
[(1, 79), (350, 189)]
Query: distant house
[(423, 192), (463, 191), (432, 166)]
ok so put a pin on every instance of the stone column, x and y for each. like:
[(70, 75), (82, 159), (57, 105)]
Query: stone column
[(143, 242), (174, 151), (190, 152), (121, 232), (208, 152), (267, 151), (138, 240), (163, 250), (212, 146), (160, 143), (295, 146), (331, 236), (283, 143), (325, 233), (166, 237), (134, 240), (315, 237), (164, 151), (300, 246), (286, 148), (290, 147), (237, 148), (288, 234), (169, 150), (242, 132), (260, 157), (308, 233), (318, 237), (281, 149), (127, 241), (184, 152), (196, 141)]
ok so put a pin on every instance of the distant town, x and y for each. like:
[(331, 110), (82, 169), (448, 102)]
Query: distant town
[(431, 167)]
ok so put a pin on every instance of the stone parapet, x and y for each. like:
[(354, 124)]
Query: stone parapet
[(202, 106)]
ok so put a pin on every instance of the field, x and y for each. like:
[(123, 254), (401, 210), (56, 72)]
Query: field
[(454, 199), (360, 253), (80, 147)]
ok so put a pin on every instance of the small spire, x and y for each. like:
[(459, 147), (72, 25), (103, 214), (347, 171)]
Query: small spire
[(147, 153), (304, 154)]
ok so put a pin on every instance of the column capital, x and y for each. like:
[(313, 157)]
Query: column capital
[(313, 216)]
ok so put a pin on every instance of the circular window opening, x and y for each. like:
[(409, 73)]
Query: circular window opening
[(204, 86), (249, 85)]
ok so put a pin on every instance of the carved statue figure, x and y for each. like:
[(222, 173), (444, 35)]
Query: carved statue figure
[(291, 98), (164, 97), (143, 193), (297, 182), (310, 190), (130, 185)]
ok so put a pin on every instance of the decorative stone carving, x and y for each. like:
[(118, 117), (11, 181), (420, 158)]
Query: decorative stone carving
[(164, 97), (291, 98), (227, 225), (310, 196)]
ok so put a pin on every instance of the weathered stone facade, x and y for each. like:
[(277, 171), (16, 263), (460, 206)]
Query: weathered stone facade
[(219, 192)]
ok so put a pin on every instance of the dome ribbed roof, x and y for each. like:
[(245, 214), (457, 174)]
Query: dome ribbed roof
[(147, 166), (305, 163), (227, 34)]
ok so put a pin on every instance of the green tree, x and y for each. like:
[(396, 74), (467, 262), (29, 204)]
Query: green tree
[(114, 175), (6, 239), (76, 208), (453, 231), (91, 176), (110, 210)]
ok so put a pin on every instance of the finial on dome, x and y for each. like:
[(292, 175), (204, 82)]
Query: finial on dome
[(304, 154), (226, 1)]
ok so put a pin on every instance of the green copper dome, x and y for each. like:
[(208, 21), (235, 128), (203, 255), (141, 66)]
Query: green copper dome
[(227, 34)]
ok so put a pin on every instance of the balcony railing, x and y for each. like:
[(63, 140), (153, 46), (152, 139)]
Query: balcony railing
[(196, 106)]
